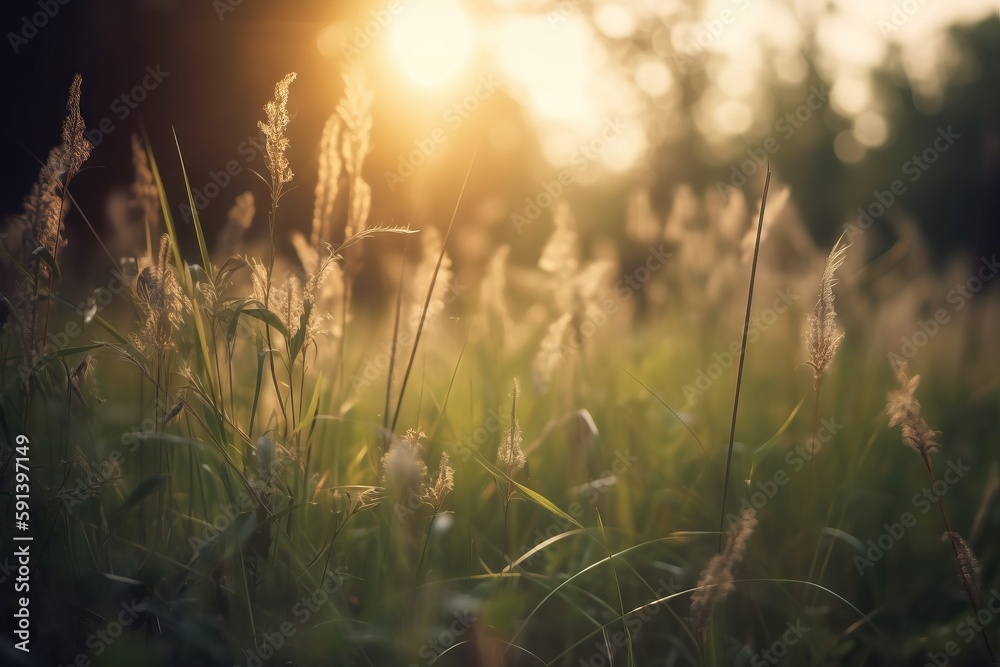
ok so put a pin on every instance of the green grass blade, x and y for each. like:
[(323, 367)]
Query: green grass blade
[(195, 219)]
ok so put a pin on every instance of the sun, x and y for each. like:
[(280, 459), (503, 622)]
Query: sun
[(433, 40)]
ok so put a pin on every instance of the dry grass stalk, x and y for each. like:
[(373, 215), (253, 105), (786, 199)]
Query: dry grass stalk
[(325, 285), (774, 209), (287, 302), (160, 300), (442, 485), (716, 580), (276, 139), (511, 457), (41, 220), (823, 335), (328, 183), (344, 146), (144, 196), (276, 143), (288, 299), (968, 565), (355, 112), (904, 410), (743, 354), (509, 453)]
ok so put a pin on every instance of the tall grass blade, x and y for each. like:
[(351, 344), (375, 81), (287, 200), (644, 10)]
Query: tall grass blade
[(743, 355), (206, 262), (430, 292)]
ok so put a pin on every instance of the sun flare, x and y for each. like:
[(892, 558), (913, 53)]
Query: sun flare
[(433, 40)]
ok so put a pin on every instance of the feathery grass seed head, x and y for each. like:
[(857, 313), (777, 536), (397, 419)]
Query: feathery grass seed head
[(403, 467), (145, 196), (355, 112), (968, 565), (160, 300), (276, 139), (328, 183), (443, 484), (75, 148), (41, 219), (904, 410), (509, 453), (716, 580), (823, 336)]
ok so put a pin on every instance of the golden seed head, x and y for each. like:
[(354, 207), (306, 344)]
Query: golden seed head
[(509, 453), (443, 484), (276, 139), (716, 580), (904, 410), (823, 336)]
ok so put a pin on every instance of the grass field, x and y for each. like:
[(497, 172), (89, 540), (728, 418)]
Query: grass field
[(240, 457)]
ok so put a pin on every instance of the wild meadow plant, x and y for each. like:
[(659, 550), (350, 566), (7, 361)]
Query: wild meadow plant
[(203, 448)]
